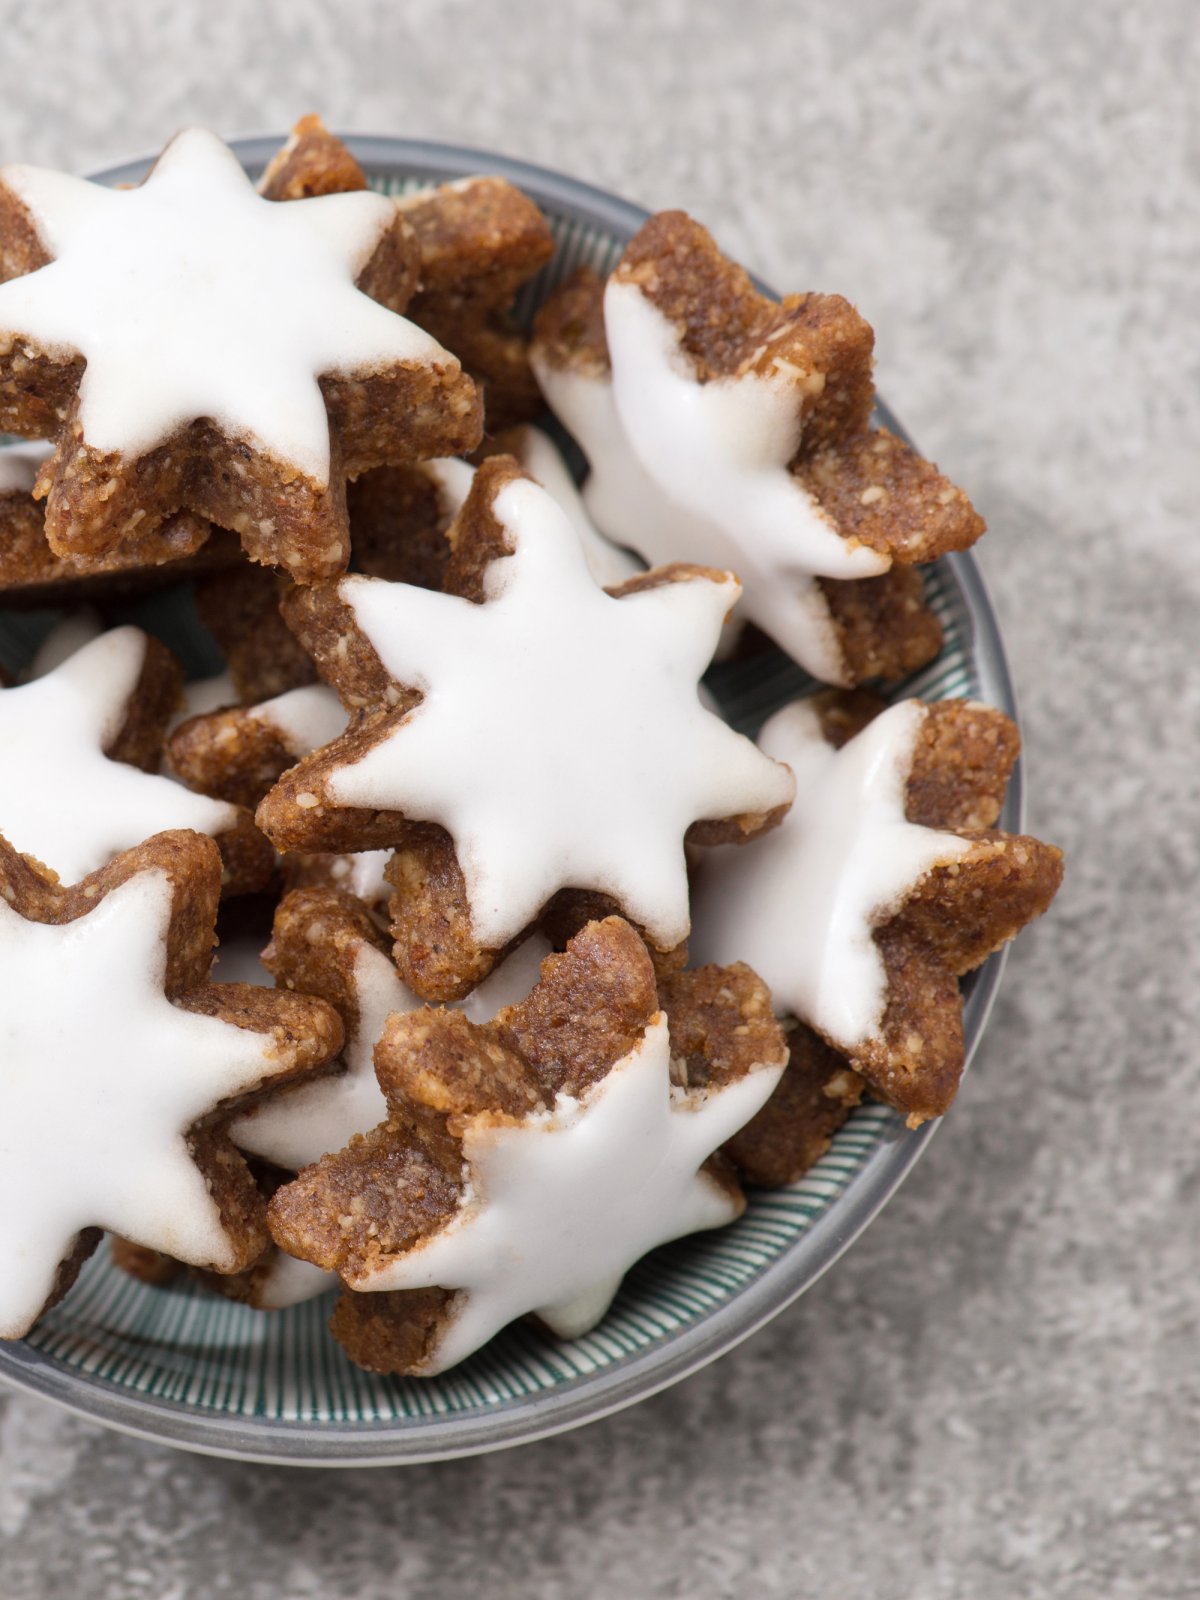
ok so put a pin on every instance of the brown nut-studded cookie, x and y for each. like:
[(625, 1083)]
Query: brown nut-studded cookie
[(31, 574), (107, 983), (326, 943), (82, 745), (884, 885), (237, 753), (400, 518), (725, 426), (525, 1164), (578, 703), (480, 239), (240, 608), (313, 161), (815, 1096), (249, 358)]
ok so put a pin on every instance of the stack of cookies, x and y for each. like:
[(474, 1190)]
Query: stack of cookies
[(448, 949)]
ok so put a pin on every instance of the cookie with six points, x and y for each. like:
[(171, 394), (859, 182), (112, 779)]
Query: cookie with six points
[(121, 1066), (190, 344), (82, 745), (524, 733), (526, 1164), (480, 239), (885, 884), (32, 574), (723, 426), (325, 943)]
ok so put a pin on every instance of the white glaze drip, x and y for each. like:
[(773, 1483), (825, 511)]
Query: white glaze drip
[(453, 479), (684, 471), (209, 694), (289, 1282), (799, 906), (581, 710), (361, 873), (202, 695)]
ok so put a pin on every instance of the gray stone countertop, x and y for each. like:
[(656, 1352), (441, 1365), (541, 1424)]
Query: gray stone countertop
[(996, 1392)]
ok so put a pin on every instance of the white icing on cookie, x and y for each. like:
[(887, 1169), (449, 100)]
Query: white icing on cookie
[(579, 711), (20, 465), (304, 719), (685, 471), (302, 1124), (288, 1282), (61, 798), (453, 479), (100, 1078), (192, 296), (361, 873), (800, 904), (64, 638), (540, 457), (561, 1205), (620, 499)]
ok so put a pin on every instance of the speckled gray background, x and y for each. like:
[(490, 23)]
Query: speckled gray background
[(997, 1393)]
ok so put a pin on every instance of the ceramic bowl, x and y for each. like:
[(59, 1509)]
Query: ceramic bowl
[(188, 1368)]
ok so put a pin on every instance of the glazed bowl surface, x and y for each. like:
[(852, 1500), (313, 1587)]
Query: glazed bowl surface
[(191, 1369)]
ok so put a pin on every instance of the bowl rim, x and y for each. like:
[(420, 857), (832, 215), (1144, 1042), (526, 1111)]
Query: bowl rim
[(307, 1442)]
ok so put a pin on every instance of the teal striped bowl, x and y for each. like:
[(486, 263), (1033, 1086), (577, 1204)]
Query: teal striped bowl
[(188, 1368)]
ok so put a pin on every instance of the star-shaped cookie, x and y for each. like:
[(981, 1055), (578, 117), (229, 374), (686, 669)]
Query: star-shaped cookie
[(480, 239), (312, 161), (882, 886), (552, 729), (528, 1163), (31, 573), (325, 943), (120, 1066), (360, 873), (725, 427), (215, 351), (237, 753), (77, 783), (400, 517), (543, 461)]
